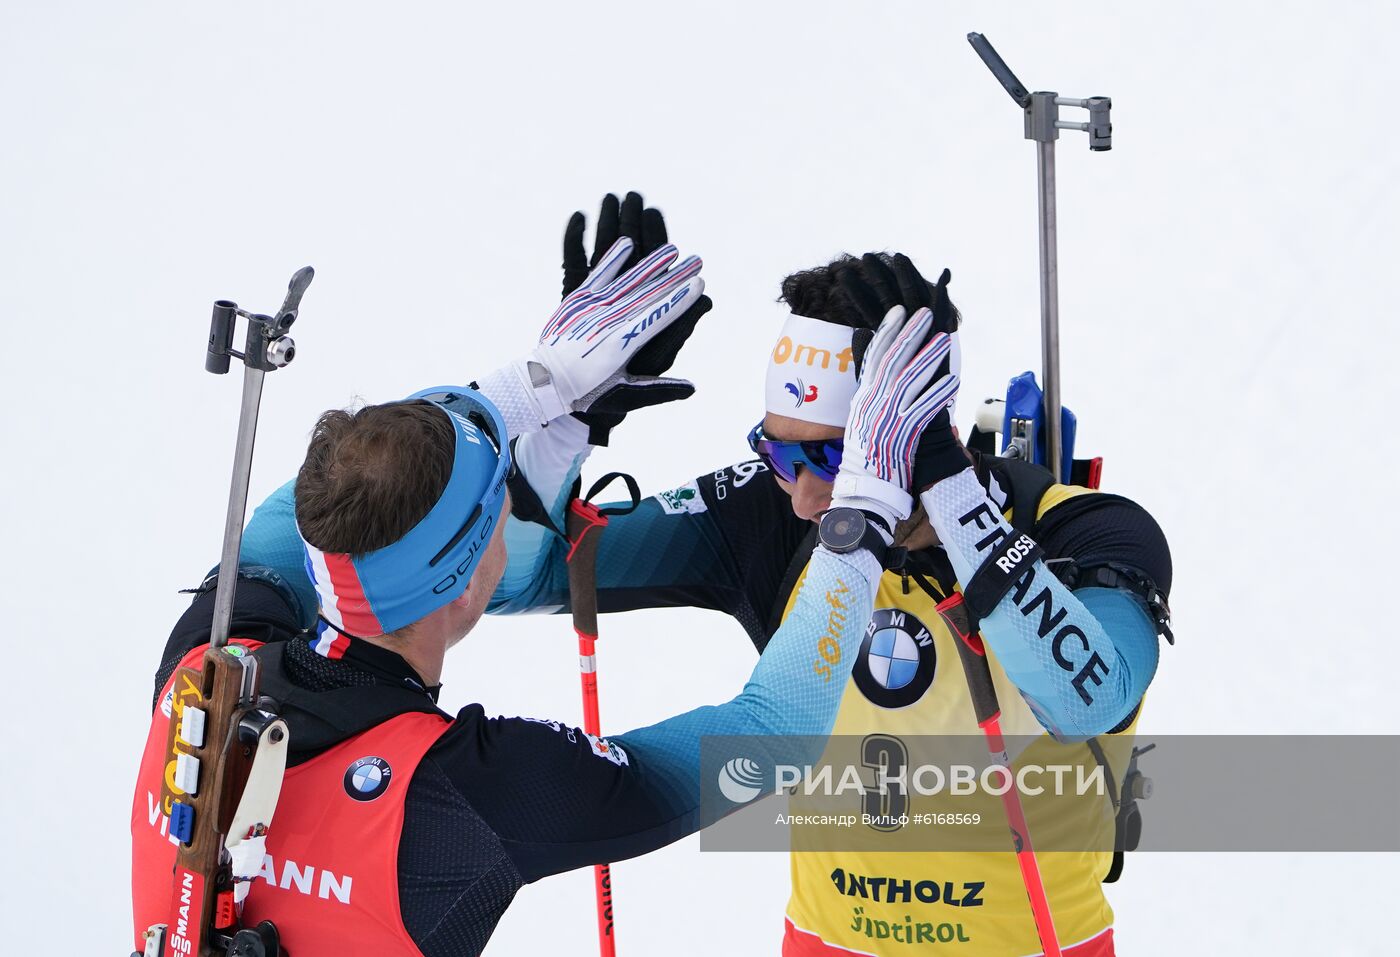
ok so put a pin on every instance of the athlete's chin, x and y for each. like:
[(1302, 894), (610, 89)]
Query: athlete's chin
[(807, 504), (465, 628), (808, 510)]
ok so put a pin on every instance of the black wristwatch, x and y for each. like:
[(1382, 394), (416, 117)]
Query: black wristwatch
[(845, 529)]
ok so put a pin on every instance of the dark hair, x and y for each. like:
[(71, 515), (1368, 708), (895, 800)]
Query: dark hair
[(370, 476), (817, 294)]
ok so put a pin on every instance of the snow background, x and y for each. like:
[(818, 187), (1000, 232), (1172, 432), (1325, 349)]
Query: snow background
[(1226, 309)]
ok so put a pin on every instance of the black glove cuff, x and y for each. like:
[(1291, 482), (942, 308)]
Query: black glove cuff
[(600, 425), (937, 463), (1009, 560), (939, 454)]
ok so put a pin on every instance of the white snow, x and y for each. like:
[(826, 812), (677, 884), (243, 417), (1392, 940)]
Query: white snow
[(1227, 297)]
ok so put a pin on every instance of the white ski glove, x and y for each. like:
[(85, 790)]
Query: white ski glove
[(586, 345), (897, 399)]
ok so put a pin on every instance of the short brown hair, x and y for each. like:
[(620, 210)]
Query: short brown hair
[(371, 475)]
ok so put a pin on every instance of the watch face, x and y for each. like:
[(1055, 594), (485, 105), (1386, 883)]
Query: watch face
[(842, 529)]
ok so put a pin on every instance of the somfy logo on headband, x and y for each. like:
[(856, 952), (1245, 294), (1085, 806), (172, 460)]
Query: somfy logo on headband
[(803, 354), (811, 372)]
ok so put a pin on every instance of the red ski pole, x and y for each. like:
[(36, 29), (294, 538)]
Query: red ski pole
[(584, 521), (973, 654)]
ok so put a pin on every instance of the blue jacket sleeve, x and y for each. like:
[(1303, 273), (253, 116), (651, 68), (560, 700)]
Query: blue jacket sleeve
[(1082, 660), (270, 540), (723, 541), (560, 799), (788, 699)]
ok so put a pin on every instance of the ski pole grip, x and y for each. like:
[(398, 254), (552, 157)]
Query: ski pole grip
[(973, 655), (216, 355), (979, 683), (584, 525), (999, 69)]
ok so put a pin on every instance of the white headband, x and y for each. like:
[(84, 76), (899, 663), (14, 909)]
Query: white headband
[(811, 372)]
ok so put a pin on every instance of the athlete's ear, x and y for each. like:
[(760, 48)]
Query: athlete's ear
[(465, 599)]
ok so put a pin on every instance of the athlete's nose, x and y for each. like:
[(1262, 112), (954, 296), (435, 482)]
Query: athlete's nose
[(810, 495)]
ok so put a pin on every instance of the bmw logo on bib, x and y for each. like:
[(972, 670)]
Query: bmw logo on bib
[(897, 659), (367, 778)]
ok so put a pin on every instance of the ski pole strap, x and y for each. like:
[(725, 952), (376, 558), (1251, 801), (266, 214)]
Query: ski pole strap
[(634, 492), (582, 520), (1010, 559), (583, 525), (973, 655)]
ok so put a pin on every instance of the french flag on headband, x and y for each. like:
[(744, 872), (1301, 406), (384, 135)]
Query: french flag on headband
[(343, 600)]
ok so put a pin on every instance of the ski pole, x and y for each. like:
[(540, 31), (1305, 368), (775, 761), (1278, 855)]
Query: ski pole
[(584, 520), (583, 526), (973, 654), (1043, 125)]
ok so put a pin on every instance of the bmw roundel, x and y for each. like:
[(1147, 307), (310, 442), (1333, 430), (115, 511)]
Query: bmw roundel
[(367, 778), (897, 659)]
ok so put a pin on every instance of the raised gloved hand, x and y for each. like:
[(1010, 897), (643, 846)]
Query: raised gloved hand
[(581, 362), (877, 284), (641, 385), (642, 224), (904, 386)]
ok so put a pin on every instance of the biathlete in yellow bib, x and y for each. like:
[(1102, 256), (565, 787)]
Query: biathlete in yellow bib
[(1072, 636)]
